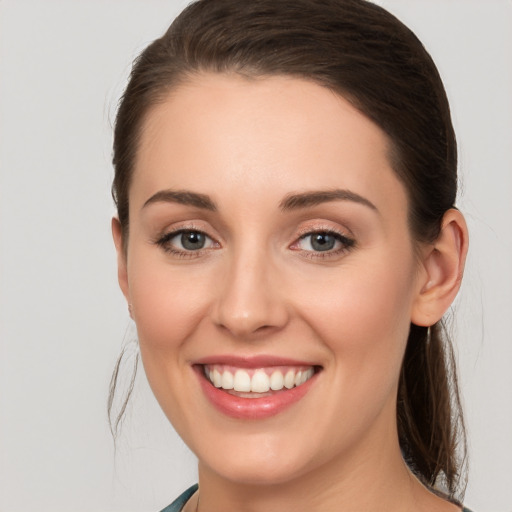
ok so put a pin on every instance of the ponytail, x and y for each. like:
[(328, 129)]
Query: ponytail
[(429, 414)]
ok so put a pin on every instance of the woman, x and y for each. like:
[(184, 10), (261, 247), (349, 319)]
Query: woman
[(288, 243)]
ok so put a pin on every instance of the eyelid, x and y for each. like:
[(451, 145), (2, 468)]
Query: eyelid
[(164, 238), (181, 226), (319, 226), (347, 240), (170, 235)]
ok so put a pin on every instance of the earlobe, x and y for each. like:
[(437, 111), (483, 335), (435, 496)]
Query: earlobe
[(443, 264), (122, 273)]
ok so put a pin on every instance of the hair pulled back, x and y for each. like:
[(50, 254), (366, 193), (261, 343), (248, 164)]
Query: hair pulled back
[(362, 52)]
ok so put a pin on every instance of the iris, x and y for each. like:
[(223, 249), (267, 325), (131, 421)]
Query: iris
[(193, 240), (322, 241)]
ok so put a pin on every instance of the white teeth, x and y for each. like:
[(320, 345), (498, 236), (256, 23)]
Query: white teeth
[(276, 381), (289, 379), (242, 381), (227, 380), (217, 378), (260, 382)]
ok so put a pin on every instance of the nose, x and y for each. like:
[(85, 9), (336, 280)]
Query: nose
[(249, 302)]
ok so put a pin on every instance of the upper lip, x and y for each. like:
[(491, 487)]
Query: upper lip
[(257, 361)]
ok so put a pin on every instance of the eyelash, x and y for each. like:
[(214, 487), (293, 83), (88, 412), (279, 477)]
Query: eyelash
[(164, 242), (346, 243)]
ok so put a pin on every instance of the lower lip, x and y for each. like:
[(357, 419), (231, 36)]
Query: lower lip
[(252, 408)]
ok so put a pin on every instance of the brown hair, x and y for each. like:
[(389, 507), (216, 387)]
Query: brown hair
[(366, 55)]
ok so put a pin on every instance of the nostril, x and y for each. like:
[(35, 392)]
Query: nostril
[(264, 328)]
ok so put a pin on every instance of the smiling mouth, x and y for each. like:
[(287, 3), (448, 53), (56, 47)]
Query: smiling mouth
[(257, 382)]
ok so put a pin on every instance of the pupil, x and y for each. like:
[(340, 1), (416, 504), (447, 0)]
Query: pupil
[(322, 242), (192, 240)]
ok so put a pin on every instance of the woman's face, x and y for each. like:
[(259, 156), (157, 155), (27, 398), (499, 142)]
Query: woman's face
[(269, 246)]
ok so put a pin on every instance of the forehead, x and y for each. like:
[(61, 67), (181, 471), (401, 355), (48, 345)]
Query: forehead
[(282, 133)]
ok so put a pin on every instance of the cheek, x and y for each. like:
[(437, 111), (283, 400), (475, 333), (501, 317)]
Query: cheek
[(362, 313), (362, 316), (168, 302)]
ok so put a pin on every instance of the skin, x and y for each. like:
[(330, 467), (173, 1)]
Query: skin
[(259, 288)]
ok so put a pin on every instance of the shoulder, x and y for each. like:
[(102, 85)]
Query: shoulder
[(180, 501)]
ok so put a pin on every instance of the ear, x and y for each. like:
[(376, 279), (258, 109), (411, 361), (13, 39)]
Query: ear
[(442, 269), (122, 273)]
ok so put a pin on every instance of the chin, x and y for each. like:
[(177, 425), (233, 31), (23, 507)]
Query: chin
[(259, 460), (257, 472)]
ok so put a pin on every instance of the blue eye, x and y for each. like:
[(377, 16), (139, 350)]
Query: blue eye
[(324, 241), (192, 240), (185, 241)]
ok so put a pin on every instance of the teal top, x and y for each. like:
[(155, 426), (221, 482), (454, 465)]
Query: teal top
[(180, 501), (178, 504)]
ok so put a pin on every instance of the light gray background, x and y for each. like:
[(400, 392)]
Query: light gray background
[(63, 65)]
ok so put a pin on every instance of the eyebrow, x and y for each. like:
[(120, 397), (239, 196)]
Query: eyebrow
[(182, 197), (290, 202), (314, 198)]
